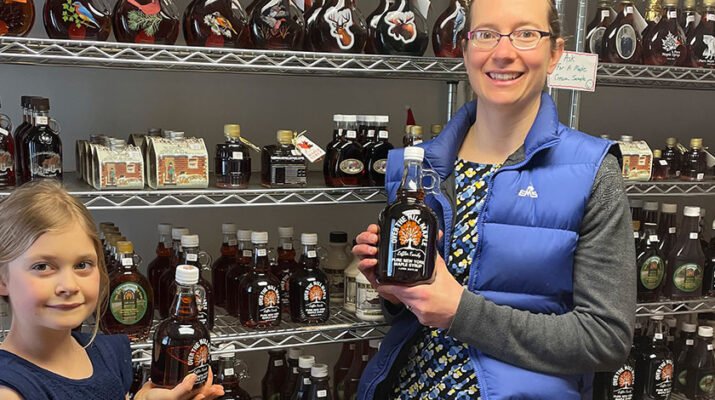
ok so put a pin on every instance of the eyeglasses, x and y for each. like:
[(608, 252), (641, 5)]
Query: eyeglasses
[(523, 39)]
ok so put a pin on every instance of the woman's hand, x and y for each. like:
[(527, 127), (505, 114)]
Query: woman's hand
[(366, 251), (182, 391)]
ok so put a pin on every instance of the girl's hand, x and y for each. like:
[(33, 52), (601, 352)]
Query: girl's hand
[(182, 391), (366, 251)]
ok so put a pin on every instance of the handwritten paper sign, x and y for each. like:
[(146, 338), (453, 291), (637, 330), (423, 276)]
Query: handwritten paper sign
[(575, 71)]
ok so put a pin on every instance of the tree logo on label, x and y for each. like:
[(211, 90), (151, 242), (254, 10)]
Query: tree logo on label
[(410, 234), (315, 293)]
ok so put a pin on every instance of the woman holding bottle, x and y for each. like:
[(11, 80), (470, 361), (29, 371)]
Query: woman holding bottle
[(533, 290)]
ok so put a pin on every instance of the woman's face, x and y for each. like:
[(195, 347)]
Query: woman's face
[(505, 76)]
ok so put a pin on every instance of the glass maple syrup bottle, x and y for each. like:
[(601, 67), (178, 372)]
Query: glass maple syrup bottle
[(408, 228), (142, 21), (682, 352), (291, 381), (162, 263), (660, 167), (686, 262), (212, 23), (233, 160), (652, 14), (277, 25), (651, 266), (131, 301), (77, 19), (654, 364), (259, 296), (701, 367), (244, 258), (20, 130), (664, 44), (402, 30), (340, 28), (331, 150), (16, 17), (667, 228), (342, 366), (282, 165), (286, 264), (616, 385), (694, 163), (349, 169), (352, 378), (205, 300), (449, 30), (167, 279), (309, 290), (7, 153), (597, 27), (622, 40), (228, 377), (377, 155), (371, 22), (302, 389), (182, 342), (700, 38), (276, 374), (672, 156), (224, 263), (413, 136), (42, 146)]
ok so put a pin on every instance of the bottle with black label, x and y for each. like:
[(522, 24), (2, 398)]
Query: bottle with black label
[(320, 388), (622, 39), (408, 228), (291, 381), (597, 27), (686, 262), (667, 230), (331, 150), (182, 343), (233, 160), (275, 376), (259, 292), (376, 155), (349, 169), (654, 365), (42, 146), (651, 265), (616, 385), (309, 289), (302, 389), (204, 292), (701, 367), (244, 258), (282, 165), (682, 353)]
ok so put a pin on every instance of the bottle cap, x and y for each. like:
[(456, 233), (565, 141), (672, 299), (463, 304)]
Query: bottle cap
[(607, 137), (657, 153), (383, 119), (650, 206), (691, 211), (319, 371), (230, 352), (371, 119), (696, 143), (284, 136), (228, 229), (686, 327), (350, 118), (672, 322), (103, 225), (414, 153), (232, 130), (125, 247), (668, 208), (691, 3), (259, 237), (244, 235), (309, 239), (361, 118), (285, 232), (416, 130), (294, 353), (338, 237), (670, 3), (25, 101), (706, 3), (190, 241), (408, 128), (705, 331), (671, 141), (374, 343), (636, 203), (658, 317), (164, 229), (338, 118), (626, 138), (177, 233), (703, 211), (436, 128), (187, 275), (306, 362), (40, 104)]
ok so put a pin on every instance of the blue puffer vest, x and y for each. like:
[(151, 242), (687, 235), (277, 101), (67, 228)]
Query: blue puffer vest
[(528, 233)]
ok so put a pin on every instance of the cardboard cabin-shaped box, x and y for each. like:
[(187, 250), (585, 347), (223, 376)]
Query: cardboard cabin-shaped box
[(177, 163), (117, 168)]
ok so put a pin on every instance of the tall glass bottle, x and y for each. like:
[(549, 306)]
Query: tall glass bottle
[(652, 14), (651, 266), (152, 22), (694, 162), (275, 376), (413, 136), (167, 278), (212, 23), (16, 17), (205, 301), (372, 21), (331, 150), (341, 369), (282, 165), (408, 228), (335, 264), (182, 343), (20, 131), (701, 367), (701, 39), (286, 264), (309, 291), (42, 146), (244, 258), (162, 263), (233, 160), (686, 261), (320, 388), (402, 30), (305, 363), (349, 169), (654, 365), (259, 296), (352, 377), (376, 157), (667, 230), (664, 44), (277, 25), (449, 30), (622, 39), (341, 28), (597, 27), (671, 154), (77, 19), (291, 381), (682, 354), (227, 376), (224, 263), (650, 213), (7, 153)]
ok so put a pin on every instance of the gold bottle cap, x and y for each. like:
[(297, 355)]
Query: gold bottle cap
[(116, 239), (104, 225), (708, 3), (232, 130), (671, 141), (416, 130), (125, 247), (636, 225), (670, 3), (284, 136), (408, 128), (657, 153), (696, 143), (435, 129), (692, 3)]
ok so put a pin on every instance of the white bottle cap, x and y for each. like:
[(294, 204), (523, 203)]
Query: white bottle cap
[(244, 235), (686, 327), (705, 331), (702, 211), (294, 353), (319, 371), (177, 233), (626, 138), (650, 206), (338, 118), (230, 352), (285, 232), (657, 317), (414, 153), (672, 322), (361, 118), (668, 208), (383, 119), (228, 229), (306, 362), (350, 118), (187, 275), (371, 118), (374, 343), (309, 239), (259, 237), (190, 241), (691, 211), (164, 229)]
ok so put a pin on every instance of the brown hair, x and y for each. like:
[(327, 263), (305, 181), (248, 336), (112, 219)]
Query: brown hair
[(554, 20), (40, 207)]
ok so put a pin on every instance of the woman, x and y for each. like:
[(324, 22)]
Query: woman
[(537, 292)]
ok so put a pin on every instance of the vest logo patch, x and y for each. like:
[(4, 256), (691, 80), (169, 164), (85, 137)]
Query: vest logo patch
[(529, 192)]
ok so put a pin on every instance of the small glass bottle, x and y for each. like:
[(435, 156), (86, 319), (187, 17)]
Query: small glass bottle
[(182, 343), (305, 363), (277, 25), (701, 367), (672, 156), (660, 167), (449, 30), (372, 21), (212, 23), (700, 39), (309, 291), (681, 354), (597, 27), (341, 369), (16, 17), (664, 44), (435, 131), (42, 146), (167, 279), (233, 160), (408, 228), (224, 263), (228, 377), (351, 273), (276, 374), (667, 228), (376, 157), (340, 28), (291, 381), (244, 258), (77, 19), (7, 153), (622, 40), (349, 169), (162, 263), (655, 364), (205, 301), (652, 13), (651, 266), (402, 30), (156, 22), (259, 296), (20, 132), (335, 264), (282, 165), (686, 262), (352, 377), (694, 162), (331, 150), (320, 387), (286, 264), (413, 136)]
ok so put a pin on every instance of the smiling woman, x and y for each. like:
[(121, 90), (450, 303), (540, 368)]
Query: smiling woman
[(532, 291)]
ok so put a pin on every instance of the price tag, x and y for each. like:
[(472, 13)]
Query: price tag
[(237, 155), (605, 14), (672, 229), (228, 371), (295, 152), (247, 253), (383, 134), (311, 151), (322, 394), (127, 262), (261, 252), (287, 246), (311, 254), (232, 242), (693, 235), (186, 330), (653, 238), (192, 257), (636, 235), (364, 357), (658, 336), (295, 371), (710, 17), (663, 163), (370, 133), (628, 11), (710, 347), (700, 177), (417, 141), (278, 363), (689, 342), (306, 381), (672, 14), (351, 134), (575, 71), (40, 120)]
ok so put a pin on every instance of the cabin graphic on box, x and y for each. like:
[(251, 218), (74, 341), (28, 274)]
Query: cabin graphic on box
[(177, 163)]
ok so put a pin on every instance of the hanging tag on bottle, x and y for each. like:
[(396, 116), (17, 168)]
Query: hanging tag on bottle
[(423, 7), (311, 151), (638, 21), (249, 144)]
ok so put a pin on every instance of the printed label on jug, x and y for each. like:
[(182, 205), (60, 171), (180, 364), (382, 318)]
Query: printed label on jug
[(652, 272), (706, 383), (269, 304), (626, 40), (351, 166), (198, 361), (671, 44), (202, 304), (622, 383), (285, 288), (46, 165), (595, 40), (401, 26), (688, 277), (409, 236), (380, 166), (315, 300), (340, 20), (128, 303), (7, 163), (662, 381)]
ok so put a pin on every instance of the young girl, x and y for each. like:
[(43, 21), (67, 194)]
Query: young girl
[(53, 275)]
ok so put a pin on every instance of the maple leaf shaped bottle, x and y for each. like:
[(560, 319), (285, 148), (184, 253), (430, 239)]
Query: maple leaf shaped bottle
[(664, 44), (402, 30)]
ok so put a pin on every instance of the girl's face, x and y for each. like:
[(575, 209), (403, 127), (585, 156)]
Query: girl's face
[(504, 75), (55, 283)]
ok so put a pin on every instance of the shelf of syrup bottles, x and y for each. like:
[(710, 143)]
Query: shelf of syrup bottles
[(671, 307), (670, 188), (648, 76)]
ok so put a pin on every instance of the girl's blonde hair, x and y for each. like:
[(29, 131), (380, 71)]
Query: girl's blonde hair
[(40, 207)]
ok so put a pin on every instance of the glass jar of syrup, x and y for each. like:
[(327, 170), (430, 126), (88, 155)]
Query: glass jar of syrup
[(16, 17), (660, 167), (449, 30), (302, 389), (259, 296), (672, 156), (340, 28), (182, 343), (286, 264), (42, 146), (376, 157), (291, 381), (686, 262), (7, 153), (152, 22), (654, 364), (622, 39), (664, 43), (216, 23), (244, 258), (166, 281), (651, 265), (408, 228), (331, 150), (701, 39), (77, 19), (371, 21), (402, 30), (597, 28), (282, 165), (224, 263), (348, 168), (205, 301), (688, 16), (229, 375), (701, 367), (277, 25), (233, 160), (162, 263), (276, 374), (413, 135), (694, 164), (20, 131), (309, 288)]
